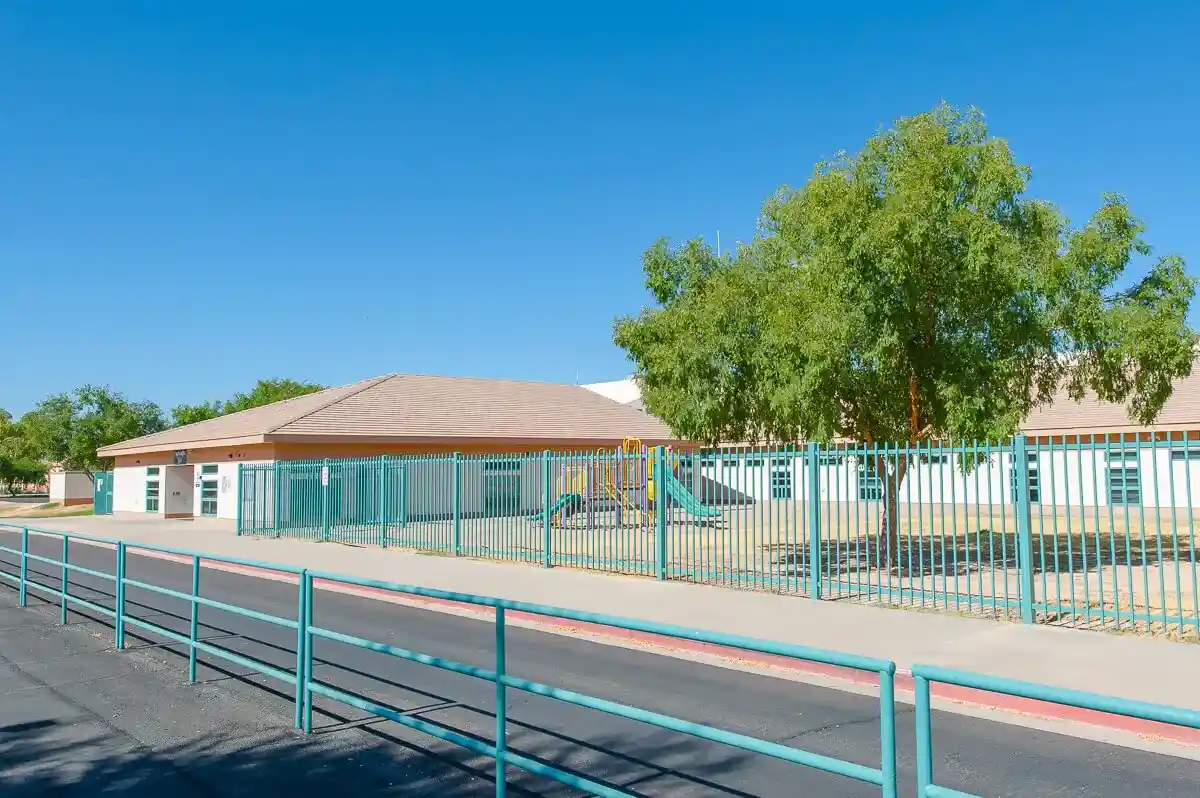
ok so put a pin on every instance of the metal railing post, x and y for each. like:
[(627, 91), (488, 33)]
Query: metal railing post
[(306, 690), (456, 488), (276, 500), (383, 483), (1020, 465), (65, 578), (887, 731), (403, 495), (326, 481), (194, 627), (302, 608), (240, 498), (119, 599), (546, 532), (924, 736), (23, 592), (813, 469), (501, 708), (660, 512)]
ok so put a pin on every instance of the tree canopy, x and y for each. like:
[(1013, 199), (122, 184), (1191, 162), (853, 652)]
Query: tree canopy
[(68, 428), (910, 292), (264, 392)]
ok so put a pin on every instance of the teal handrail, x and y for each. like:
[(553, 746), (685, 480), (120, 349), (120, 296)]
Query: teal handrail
[(925, 675), (305, 685)]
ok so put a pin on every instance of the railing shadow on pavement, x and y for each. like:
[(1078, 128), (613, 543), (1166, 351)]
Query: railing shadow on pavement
[(305, 687)]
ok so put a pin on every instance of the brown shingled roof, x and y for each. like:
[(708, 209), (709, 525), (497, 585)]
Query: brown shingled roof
[(418, 409), (1065, 417)]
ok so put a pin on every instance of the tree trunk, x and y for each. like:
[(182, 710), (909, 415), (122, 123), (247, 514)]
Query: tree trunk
[(889, 521)]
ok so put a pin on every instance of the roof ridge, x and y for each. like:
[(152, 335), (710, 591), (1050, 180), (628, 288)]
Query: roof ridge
[(371, 383)]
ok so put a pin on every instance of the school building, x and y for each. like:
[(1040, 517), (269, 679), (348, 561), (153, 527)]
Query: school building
[(194, 470)]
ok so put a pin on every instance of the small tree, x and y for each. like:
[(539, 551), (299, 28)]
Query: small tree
[(67, 429), (911, 292)]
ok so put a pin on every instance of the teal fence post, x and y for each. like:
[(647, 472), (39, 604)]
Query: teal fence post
[(326, 478), (306, 682), (22, 591), (194, 626), (660, 512), (276, 501), (383, 483), (924, 736), (1020, 465), (403, 495), (887, 731), (240, 498), (501, 708), (457, 541), (546, 499), (119, 599), (303, 605), (812, 463), (65, 578)]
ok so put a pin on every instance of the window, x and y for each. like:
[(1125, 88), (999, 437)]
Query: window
[(707, 462), (830, 459), (781, 484), (1186, 454), (933, 459), (152, 492), (1121, 455), (502, 465), (152, 471), (208, 497), (781, 461), (1035, 491), (756, 462), (870, 486), (1124, 485), (208, 469)]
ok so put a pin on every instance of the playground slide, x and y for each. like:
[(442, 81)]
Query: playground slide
[(562, 502), (686, 499), (627, 504)]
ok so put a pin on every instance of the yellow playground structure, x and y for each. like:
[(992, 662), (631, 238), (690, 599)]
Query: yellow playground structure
[(621, 481)]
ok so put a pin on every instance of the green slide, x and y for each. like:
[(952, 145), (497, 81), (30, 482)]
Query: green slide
[(685, 499), (563, 501)]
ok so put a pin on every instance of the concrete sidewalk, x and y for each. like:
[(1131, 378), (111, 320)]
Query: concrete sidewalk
[(1127, 666)]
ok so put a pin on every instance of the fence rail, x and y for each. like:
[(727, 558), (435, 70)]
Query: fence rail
[(306, 686), (925, 675), (1094, 533)]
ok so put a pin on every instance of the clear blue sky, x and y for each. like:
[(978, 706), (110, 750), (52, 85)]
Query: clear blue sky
[(196, 195)]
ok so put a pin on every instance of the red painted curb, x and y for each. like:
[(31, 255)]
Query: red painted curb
[(904, 681)]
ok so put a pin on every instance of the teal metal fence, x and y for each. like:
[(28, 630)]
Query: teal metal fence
[(925, 675), (306, 686), (1083, 532)]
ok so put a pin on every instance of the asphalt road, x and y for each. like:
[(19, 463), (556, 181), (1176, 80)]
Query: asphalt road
[(974, 755)]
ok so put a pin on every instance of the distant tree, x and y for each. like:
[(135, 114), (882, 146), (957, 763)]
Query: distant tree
[(264, 392), (268, 391), (911, 292), (18, 463), (68, 428), (192, 414)]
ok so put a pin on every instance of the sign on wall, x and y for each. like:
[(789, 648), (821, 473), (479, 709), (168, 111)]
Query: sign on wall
[(181, 457), (324, 476)]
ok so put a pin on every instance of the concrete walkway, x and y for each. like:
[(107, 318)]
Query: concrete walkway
[(1127, 666)]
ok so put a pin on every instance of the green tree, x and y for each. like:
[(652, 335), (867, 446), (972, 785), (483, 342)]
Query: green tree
[(18, 463), (264, 392), (268, 391), (67, 429), (911, 292), (192, 414)]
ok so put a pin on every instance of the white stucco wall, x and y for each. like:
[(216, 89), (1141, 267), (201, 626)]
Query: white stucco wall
[(71, 486)]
